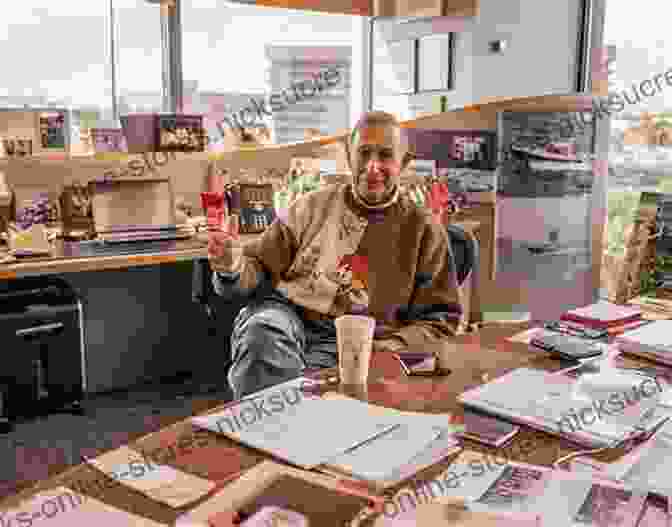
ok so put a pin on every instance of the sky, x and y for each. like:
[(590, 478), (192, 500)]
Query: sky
[(64, 45)]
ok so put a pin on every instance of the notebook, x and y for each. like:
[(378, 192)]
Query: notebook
[(603, 315), (307, 431), (653, 341), (126, 210)]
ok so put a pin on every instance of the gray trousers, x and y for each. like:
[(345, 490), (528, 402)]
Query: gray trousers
[(272, 343)]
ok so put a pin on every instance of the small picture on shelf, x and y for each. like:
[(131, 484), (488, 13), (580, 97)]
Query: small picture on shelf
[(52, 130), (108, 140), (472, 149), (180, 133)]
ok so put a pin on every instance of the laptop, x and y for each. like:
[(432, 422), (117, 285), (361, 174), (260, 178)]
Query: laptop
[(132, 210)]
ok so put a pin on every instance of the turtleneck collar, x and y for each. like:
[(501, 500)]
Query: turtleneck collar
[(363, 205), (372, 213)]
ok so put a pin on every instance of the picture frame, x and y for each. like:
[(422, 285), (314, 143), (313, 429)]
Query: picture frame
[(108, 140), (180, 133)]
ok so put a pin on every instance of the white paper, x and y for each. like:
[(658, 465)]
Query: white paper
[(376, 459), (308, 433)]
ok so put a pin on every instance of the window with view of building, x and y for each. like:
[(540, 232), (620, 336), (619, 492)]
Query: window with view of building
[(640, 146), (235, 53)]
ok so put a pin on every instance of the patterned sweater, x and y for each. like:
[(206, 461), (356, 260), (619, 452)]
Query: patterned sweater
[(332, 256)]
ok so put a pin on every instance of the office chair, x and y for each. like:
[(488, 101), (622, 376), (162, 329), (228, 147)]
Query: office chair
[(221, 310), (465, 251)]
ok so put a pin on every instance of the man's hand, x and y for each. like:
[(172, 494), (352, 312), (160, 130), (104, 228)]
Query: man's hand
[(391, 345), (223, 251)]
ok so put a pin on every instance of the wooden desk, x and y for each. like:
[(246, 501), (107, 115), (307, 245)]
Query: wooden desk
[(477, 358), (58, 263)]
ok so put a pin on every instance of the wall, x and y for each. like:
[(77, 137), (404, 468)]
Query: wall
[(541, 57)]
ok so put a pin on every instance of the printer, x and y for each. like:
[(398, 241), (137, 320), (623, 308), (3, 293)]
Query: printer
[(43, 367)]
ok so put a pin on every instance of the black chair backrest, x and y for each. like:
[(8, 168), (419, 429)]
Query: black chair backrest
[(465, 252)]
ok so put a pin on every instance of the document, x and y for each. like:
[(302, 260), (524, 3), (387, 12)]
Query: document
[(376, 459), (442, 421), (307, 433), (63, 507)]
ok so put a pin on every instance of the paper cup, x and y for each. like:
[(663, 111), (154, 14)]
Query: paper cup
[(354, 337)]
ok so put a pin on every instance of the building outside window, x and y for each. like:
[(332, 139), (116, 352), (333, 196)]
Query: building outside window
[(640, 149), (240, 52)]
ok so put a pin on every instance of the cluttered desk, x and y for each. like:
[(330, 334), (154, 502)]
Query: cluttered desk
[(472, 440)]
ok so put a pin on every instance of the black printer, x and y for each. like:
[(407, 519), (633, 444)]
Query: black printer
[(42, 367)]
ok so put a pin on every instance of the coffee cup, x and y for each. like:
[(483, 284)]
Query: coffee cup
[(354, 337)]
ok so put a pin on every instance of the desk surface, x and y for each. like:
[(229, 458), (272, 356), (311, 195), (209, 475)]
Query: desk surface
[(477, 358), (62, 260)]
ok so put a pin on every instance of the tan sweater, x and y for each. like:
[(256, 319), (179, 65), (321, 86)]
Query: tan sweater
[(332, 256)]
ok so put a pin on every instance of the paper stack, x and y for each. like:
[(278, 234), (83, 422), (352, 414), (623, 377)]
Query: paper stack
[(603, 315)]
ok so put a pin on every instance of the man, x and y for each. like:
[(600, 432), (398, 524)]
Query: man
[(360, 248)]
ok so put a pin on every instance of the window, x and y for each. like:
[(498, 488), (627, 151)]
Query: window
[(410, 66), (236, 54), (139, 59), (640, 145), (54, 55), (57, 55)]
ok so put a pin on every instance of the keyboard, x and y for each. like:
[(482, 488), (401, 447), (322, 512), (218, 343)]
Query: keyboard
[(98, 248)]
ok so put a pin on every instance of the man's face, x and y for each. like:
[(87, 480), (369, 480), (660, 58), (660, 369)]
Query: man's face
[(377, 155)]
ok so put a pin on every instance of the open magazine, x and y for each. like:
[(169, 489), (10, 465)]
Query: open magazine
[(560, 498), (647, 467)]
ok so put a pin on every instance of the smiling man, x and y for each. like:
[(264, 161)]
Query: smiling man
[(361, 248)]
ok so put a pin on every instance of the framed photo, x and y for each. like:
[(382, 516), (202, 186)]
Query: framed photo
[(180, 133), (545, 154), (52, 130), (108, 140), (545, 181)]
